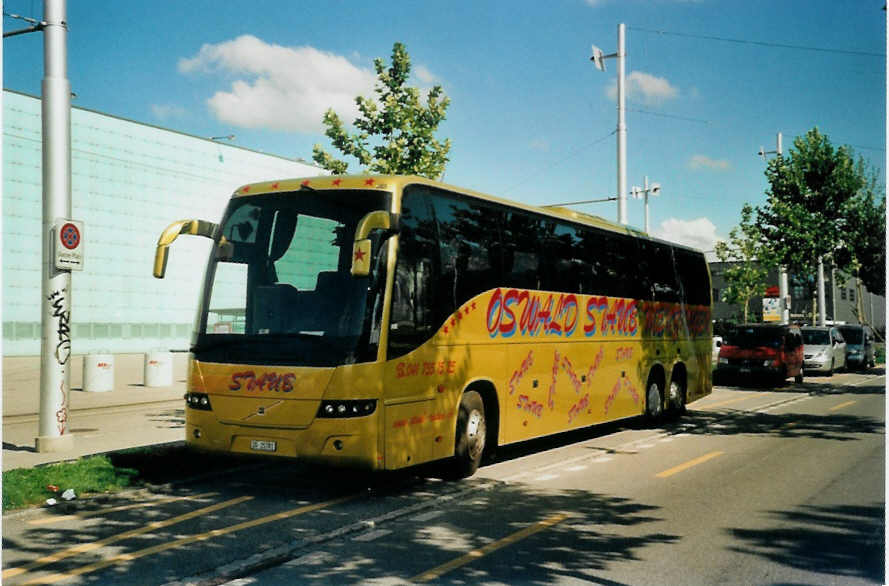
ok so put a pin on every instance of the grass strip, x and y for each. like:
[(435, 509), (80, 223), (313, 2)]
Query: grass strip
[(95, 474)]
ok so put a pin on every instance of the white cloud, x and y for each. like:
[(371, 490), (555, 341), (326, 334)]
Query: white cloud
[(705, 162), (698, 233), (166, 112), (280, 88), (424, 75), (649, 89)]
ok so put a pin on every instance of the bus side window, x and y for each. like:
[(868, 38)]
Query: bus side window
[(655, 263), (561, 269), (522, 267), (413, 320), (468, 234)]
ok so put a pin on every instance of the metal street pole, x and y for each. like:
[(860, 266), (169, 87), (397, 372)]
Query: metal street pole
[(822, 310), (598, 59), (55, 344), (783, 281), (647, 230), (621, 127)]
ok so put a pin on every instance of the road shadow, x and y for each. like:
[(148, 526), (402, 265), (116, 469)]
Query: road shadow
[(843, 541), (837, 427), (600, 530)]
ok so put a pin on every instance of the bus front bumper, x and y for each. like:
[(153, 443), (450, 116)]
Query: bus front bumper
[(347, 442)]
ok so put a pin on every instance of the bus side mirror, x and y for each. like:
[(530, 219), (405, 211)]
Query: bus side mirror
[(361, 247), (168, 236)]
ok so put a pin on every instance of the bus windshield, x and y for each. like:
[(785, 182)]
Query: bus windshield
[(279, 288)]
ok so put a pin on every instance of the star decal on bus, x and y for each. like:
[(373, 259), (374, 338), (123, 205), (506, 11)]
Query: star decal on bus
[(369, 181), (305, 183), (359, 255), (336, 182)]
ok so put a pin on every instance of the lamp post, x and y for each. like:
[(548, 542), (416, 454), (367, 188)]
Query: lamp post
[(636, 192), (783, 281), (598, 59), (54, 434)]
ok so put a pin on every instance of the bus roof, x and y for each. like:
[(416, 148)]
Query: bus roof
[(390, 182)]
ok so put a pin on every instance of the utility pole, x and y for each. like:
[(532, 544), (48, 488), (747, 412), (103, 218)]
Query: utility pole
[(54, 434), (822, 310), (655, 189), (783, 281), (598, 60)]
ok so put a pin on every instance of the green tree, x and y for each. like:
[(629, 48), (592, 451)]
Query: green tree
[(863, 249), (746, 272), (395, 132), (808, 211)]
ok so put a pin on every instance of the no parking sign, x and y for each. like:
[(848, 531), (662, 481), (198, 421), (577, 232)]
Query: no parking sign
[(68, 244)]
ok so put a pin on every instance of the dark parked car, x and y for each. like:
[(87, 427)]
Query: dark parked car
[(859, 346), (772, 351)]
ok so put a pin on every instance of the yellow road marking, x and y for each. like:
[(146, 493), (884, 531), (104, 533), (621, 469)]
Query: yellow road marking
[(730, 401), (841, 405), (477, 553), (127, 557), (689, 464), (85, 547), (88, 514)]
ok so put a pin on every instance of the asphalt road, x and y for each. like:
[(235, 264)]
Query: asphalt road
[(753, 486)]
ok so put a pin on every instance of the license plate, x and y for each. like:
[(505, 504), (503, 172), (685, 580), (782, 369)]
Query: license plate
[(263, 445), (745, 371)]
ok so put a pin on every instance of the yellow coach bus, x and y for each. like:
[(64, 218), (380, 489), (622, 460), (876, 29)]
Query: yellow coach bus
[(391, 321)]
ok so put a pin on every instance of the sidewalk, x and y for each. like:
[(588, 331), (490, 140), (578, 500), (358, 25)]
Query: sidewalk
[(128, 416)]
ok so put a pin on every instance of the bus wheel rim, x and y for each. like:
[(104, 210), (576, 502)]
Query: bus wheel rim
[(676, 395), (475, 433), (654, 399)]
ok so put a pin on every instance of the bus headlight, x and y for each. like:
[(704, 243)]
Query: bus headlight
[(341, 409), (200, 401)]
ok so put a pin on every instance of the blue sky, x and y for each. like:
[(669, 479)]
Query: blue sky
[(530, 118)]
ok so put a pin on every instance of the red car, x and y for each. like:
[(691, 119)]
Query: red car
[(761, 351)]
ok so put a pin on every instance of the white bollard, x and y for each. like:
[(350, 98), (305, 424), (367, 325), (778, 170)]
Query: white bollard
[(98, 373), (158, 368)]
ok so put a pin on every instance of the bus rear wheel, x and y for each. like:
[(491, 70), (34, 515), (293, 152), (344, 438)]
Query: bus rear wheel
[(471, 436), (677, 398)]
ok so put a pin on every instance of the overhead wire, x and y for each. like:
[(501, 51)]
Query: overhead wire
[(760, 43)]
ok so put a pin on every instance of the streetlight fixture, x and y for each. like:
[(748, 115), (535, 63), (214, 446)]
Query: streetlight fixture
[(653, 189), (598, 58)]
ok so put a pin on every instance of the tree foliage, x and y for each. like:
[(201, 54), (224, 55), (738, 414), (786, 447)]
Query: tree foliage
[(820, 204), (395, 132), (864, 245), (746, 273)]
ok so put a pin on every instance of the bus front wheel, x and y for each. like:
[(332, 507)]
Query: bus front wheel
[(471, 435)]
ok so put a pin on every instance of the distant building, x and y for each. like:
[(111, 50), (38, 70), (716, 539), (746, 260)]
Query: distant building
[(840, 300), (129, 181)]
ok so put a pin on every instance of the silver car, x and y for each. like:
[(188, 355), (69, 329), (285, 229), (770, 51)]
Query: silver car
[(824, 349)]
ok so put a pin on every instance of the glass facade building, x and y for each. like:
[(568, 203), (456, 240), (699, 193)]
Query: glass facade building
[(129, 181)]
